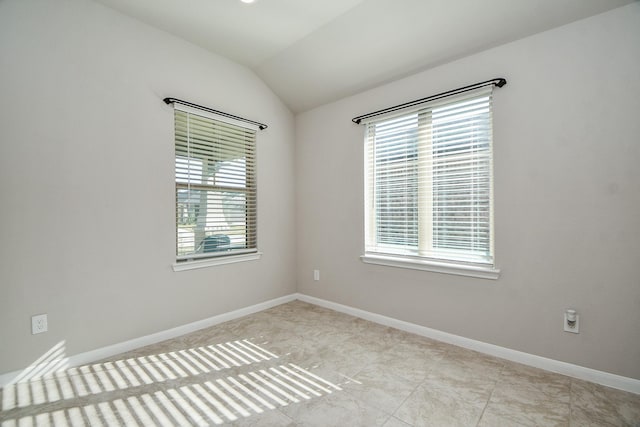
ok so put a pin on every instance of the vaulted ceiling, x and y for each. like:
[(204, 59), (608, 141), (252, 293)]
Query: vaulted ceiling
[(313, 52)]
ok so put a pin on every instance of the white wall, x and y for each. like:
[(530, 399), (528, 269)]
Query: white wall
[(567, 208), (87, 217)]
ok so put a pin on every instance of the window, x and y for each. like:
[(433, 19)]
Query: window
[(215, 178), (429, 186)]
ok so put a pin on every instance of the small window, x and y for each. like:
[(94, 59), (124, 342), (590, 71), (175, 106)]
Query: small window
[(429, 184), (216, 192)]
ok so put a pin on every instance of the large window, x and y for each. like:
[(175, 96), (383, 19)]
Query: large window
[(215, 178), (429, 182)]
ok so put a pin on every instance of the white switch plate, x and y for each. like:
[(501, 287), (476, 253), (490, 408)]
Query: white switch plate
[(316, 275), (39, 324)]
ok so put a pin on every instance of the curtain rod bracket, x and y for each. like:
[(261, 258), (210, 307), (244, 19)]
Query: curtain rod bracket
[(168, 101)]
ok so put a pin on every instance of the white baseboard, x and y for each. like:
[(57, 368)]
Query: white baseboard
[(111, 350), (575, 371)]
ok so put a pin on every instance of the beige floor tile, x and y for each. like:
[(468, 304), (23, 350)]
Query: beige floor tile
[(515, 373), (266, 419), (394, 422), (381, 388), (527, 404), (468, 388), (461, 362), (440, 406), (412, 360), (339, 410), (528, 396), (330, 365), (492, 420), (587, 418), (595, 403)]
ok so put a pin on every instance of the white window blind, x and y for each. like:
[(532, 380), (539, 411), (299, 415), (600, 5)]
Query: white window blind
[(429, 181), (216, 192)]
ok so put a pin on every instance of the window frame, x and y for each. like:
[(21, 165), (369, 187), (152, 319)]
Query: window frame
[(197, 260), (374, 252)]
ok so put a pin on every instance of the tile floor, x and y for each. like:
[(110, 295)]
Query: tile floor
[(301, 365)]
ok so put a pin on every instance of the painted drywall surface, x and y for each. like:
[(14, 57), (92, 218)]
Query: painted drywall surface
[(567, 200), (87, 223)]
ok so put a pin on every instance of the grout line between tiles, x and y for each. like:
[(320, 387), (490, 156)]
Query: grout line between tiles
[(490, 395)]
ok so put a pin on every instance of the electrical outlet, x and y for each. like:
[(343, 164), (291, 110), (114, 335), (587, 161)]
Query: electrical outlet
[(316, 275), (572, 326), (39, 324)]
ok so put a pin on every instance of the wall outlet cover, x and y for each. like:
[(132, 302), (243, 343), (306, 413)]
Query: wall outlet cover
[(39, 324), (575, 328)]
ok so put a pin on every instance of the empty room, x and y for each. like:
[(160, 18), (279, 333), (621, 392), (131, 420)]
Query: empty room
[(320, 213)]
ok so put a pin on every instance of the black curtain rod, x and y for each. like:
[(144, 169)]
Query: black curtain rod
[(261, 126), (495, 82)]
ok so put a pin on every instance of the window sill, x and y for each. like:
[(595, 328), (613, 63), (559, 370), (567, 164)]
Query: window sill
[(210, 262), (434, 266)]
